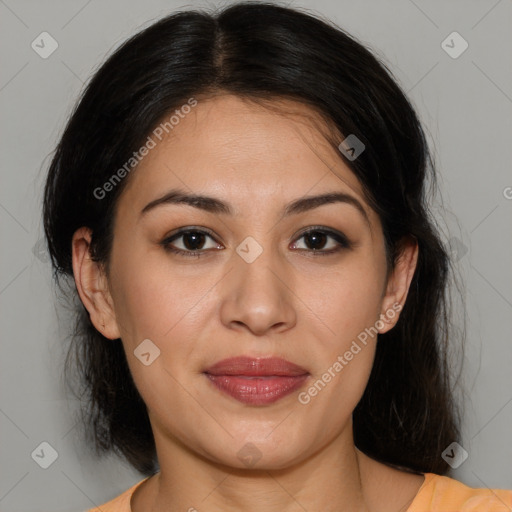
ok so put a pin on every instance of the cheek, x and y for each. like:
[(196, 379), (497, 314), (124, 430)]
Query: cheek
[(153, 300), (344, 356), (346, 308), (167, 306), (348, 300)]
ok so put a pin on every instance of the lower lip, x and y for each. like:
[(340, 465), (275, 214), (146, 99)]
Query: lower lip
[(257, 390)]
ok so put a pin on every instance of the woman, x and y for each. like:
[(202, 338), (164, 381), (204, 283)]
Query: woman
[(240, 200)]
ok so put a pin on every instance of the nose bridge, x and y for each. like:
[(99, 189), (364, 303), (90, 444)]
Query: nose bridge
[(257, 293), (257, 263)]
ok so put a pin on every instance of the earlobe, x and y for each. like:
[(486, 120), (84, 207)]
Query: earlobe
[(398, 284), (92, 285)]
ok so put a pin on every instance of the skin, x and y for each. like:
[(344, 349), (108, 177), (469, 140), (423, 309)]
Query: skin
[(288, 303)]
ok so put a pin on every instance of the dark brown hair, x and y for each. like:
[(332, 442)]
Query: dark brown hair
[(263, 52)]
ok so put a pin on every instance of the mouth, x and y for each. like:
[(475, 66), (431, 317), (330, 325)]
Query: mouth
[(256, 381)]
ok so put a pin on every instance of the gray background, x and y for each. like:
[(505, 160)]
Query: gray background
[(465, 105)]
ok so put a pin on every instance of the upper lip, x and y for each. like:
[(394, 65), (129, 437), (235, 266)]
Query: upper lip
[(256, 366)]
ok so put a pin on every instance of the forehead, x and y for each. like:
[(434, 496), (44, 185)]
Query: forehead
[(258, 156)]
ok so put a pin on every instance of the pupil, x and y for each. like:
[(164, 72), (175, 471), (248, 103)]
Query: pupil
[(194, 235), (316, 236)]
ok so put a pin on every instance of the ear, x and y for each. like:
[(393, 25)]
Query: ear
[(92, 285), (398, 284)]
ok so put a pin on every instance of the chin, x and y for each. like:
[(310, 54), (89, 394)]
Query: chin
[(260, 452)]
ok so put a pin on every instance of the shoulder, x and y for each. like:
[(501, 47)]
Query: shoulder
[(444, 494), (121, 503)]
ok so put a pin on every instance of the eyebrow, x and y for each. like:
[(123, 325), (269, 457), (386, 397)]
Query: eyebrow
[(217, 206)]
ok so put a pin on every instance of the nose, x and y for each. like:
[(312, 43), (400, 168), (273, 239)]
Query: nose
[(258, 296)]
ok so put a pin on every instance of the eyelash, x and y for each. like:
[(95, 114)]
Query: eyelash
[(338, 237)]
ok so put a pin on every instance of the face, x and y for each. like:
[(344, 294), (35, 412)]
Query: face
[(256, 277)]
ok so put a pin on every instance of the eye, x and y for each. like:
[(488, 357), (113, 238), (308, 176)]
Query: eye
[(193, 241), (317, 237)]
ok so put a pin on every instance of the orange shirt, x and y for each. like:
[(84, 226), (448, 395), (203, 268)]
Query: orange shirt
[(437, 494)]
